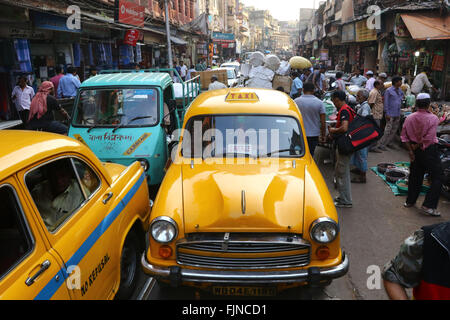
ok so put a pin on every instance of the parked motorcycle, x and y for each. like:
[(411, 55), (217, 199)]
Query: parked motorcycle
[(444, 154)]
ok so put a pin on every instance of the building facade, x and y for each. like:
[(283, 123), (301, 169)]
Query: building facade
[(396, 37)]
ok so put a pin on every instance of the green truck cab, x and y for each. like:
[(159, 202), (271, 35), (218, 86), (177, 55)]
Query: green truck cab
[(126, 116)]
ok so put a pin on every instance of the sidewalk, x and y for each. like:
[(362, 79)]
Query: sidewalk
[(373, 230)]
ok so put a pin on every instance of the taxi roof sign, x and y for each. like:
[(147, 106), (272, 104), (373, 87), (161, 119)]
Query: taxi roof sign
[(241, 97)]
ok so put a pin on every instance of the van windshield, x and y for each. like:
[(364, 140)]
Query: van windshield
[(112, 107)]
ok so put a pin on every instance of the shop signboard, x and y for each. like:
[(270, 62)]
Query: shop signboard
[(348, 32), (131, 37), (24, 32), (51, 22), (128, 12), (363, 33), (223, 36), (323, 54)]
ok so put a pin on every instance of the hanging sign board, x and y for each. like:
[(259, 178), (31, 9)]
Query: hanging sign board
[(131, 37), (128, 12)]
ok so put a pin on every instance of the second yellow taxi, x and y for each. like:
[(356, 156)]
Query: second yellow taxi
[(244, 209)]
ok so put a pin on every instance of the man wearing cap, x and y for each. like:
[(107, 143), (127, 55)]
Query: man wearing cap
[(370, 80), (215, 84), (419, 135), (382, 77)]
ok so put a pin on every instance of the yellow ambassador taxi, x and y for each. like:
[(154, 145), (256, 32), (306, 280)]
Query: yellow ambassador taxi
[(243, 208), (71, 227)]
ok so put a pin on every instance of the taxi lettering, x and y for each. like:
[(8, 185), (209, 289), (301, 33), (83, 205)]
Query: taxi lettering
[(242, 96), (135, 145), (94, 274)]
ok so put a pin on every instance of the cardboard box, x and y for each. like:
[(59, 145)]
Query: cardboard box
[(282, 81), (205, 77)]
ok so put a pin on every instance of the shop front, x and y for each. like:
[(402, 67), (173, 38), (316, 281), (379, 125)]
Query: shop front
[(225, 45), (368, 46), (430, 34)]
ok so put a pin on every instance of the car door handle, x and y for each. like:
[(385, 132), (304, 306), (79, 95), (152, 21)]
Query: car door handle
[(44, 266), (108, 197)]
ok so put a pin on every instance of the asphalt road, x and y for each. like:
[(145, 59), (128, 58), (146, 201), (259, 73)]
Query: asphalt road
[(371, 234)]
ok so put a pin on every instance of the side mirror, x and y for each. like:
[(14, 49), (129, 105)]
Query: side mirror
[(172, 104)]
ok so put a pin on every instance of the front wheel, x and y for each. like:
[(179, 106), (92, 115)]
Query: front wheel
[(129, 267)]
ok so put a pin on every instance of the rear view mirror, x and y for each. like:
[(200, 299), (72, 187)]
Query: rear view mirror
[(172, 104)]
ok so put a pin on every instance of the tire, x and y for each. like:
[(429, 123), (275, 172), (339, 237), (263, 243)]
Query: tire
[(129, 266)]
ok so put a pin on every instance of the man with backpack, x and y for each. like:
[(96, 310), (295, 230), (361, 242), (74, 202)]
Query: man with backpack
[(342, 171), (359, 158)]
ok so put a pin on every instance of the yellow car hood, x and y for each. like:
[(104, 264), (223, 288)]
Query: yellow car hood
[(271, 192)]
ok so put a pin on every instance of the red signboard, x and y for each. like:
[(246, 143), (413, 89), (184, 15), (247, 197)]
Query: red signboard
[(131, 37), (128, 12)]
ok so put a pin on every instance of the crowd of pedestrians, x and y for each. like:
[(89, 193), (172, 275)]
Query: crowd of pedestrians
[(383, 106)]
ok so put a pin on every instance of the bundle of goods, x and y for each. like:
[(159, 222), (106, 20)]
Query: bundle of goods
[(284, 69), (284, 82), (330, 109), (300, 63), (205, 77), (260, 77), (256, 59), (272, 62), (353, 90)]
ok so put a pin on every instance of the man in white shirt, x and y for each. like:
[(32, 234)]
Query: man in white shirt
[(215, 84), (22, 95), (421, 81), (183, 70)]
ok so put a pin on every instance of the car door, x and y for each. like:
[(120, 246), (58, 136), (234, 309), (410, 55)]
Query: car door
[(29, 268), (76, 222)]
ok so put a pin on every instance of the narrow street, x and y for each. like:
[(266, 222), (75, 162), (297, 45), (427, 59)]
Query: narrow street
[(371, 234)]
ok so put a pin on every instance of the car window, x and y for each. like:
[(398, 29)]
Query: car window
[(242, 135), (90, 182), (111, 107), (231, 74), (56, 191), (15, 238)]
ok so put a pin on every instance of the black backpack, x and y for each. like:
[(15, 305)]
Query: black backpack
[(362, 132)]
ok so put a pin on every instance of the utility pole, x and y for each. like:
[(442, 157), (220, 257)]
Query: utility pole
[(169, 44)]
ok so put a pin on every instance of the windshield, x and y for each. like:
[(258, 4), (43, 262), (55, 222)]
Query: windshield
[(242, 135), (231, 74), (112, 107)]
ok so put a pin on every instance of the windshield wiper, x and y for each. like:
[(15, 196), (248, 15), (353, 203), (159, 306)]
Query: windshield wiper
[(232, 154), (94, 126), (278, 151), (134, 119)]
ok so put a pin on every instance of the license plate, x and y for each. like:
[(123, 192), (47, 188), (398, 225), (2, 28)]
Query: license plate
[(245, 291)]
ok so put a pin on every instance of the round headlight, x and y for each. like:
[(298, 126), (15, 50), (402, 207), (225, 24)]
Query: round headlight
[(164, 229), (324, 230)]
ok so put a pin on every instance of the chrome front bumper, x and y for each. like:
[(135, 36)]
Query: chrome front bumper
[(310, 275)]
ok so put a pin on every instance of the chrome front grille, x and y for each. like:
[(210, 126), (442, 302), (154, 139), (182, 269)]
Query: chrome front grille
[(243, 251)]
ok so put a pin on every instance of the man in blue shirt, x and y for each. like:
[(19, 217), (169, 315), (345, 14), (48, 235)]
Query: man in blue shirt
[(305, 75), (357, 79), (313, 113), (69, 84), (297, 85), (393, 98)]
